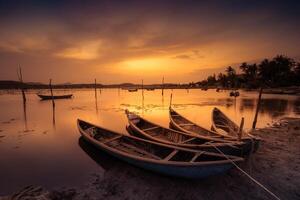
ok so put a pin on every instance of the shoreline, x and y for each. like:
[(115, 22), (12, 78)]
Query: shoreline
[(276, 165)]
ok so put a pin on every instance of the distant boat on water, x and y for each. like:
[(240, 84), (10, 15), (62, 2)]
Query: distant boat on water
[(234, 93), (49, 97), (132, 90)]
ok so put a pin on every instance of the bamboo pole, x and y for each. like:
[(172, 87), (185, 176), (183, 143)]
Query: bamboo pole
[(95, 88), (143, 88), (171, 98), (20, 77), (257, 108), (162, 86), (50, 86)]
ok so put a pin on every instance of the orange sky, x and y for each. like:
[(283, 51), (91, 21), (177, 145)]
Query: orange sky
[(128, 41)]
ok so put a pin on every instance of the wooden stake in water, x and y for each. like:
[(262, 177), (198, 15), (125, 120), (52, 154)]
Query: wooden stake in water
[(240, 134), (95, 89), (162, 86), (50, 86), (257, 108), (171, 98), (143, 88), (20, 77)]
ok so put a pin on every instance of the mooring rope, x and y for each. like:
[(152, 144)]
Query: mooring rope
[(249, 176)]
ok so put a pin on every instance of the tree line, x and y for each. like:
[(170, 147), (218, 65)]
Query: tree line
[(281, 71)]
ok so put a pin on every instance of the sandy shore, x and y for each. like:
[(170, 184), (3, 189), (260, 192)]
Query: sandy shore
[(276, 165)]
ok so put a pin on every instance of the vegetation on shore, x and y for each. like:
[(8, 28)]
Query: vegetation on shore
[(281, 71)]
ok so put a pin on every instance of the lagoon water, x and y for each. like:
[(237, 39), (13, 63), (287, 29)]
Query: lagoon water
[(42, 146)]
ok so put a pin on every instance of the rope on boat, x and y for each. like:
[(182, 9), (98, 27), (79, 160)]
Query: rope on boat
[(249, 176)]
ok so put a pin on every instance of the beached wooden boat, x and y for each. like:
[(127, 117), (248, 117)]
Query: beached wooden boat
[(161, 158), (49, 97), (140, 127), (180, 123), (222, 124)]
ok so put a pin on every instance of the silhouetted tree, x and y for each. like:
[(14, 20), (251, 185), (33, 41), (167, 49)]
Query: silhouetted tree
[(231, 74)]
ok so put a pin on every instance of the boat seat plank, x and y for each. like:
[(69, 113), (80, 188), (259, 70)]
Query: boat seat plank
[(188, 140), (196, 156), (111, 139), (188, 124), (171, 155), (141, 151), (151, 128)]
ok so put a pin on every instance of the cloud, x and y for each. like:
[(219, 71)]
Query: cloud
[(183, 56), (101, 34)]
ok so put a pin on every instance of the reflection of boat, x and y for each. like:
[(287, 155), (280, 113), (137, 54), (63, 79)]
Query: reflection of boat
[(161, 158), (150, 89), (101, 158), (180, 123), (221, 123), (234, 93), (48, 97), (143, 128), (133, 90)]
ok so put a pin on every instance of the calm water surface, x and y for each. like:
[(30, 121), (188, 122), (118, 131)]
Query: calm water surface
[(41, 146)]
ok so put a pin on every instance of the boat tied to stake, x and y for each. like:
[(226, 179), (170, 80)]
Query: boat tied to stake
[(223, 124), (157, 157), (143, 128)]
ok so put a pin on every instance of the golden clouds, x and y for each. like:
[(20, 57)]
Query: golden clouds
[(84, 51)]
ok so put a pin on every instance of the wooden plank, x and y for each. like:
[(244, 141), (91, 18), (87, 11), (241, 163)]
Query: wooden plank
[(149, 129), (196, 156), (188, 124), (171, 155), (111, 139), (188, 140), (141, 151)]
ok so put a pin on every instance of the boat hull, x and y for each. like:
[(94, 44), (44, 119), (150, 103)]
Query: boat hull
[(47, 97), (190, 172)]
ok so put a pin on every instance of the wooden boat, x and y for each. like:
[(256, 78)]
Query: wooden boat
[(222, 124), (180, 123), (140, 127), (133, 90), (49, 97), (153, 156), (234, 93)]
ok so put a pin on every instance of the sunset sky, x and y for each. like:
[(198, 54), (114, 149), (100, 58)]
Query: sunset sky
[(126, 41)]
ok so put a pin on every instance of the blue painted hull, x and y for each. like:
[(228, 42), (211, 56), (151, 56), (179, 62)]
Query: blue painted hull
[(183, 171)]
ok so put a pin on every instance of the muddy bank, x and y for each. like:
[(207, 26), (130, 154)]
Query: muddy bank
[(276, 165)]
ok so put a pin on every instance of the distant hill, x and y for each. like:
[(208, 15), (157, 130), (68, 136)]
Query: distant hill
[(8, 84)]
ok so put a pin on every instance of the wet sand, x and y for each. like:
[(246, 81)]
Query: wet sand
[(276, 165)]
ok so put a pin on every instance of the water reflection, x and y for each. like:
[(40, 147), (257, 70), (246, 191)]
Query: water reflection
[(247, 104), (296, 105), (25, 116), (53, 117), (100, 157), (274, 107), (40, 116)]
